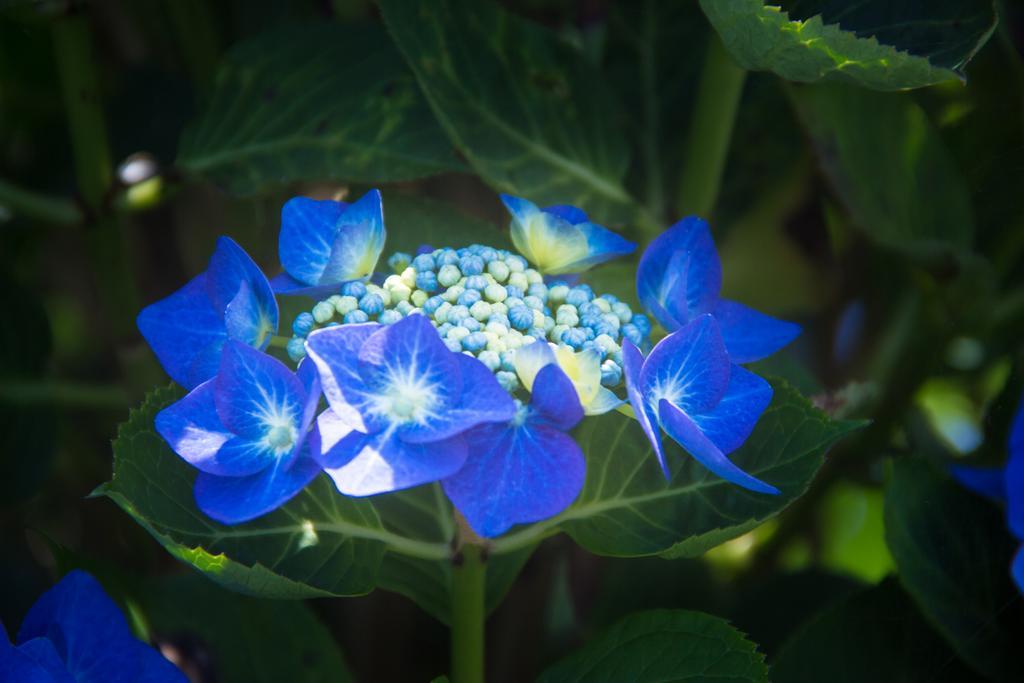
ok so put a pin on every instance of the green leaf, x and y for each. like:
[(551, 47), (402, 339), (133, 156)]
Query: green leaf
[(241, 638), (412, 221), (953, 552), (627, 507), (663, 645), (319, 544), (532, 117), (873, 635), (876, 44), (317, 102), (889, 167)]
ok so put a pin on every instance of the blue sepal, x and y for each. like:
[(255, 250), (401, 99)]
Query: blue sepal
[(750, 335), (679, 275)]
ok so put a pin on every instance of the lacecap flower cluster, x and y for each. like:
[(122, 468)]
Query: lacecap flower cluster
[(466, 366)]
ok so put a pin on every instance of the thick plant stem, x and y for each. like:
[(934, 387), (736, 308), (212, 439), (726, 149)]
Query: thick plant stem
[(707, 142), (38, 206), (468, 614)]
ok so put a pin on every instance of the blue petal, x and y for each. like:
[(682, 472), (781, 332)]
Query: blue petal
[(632, 365), (483, 401), (603, 245), (309, 378), (255, 392), (730, 422), (1017, 569), (679, 275), (308, 231), (185, 333), (567, 213), (1016, 441), (516, 475), (335, 352), (409, 357), (554, 398), (379, 463), (194, 431), (1015, 493), (233, 500), (34, 661), (229, 267), (690, 367), (247, 321), (682, 429), (358, 242), (985, 481), (89, 632), (283, 283), (750, 335)]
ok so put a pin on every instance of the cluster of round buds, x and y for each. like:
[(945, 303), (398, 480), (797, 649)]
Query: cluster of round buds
[(485, 302)]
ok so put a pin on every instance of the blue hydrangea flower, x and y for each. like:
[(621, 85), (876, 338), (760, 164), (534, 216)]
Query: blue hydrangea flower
[(248, 433), (560, 239), (400, 401), (231, 300), (323, 244), (1005, 484), (679, 279), (708, 405), (582, 369), (526, 469), (75, 632)]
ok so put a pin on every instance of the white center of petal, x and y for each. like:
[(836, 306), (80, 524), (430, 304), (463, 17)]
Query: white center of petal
[(408, 398), (280, 433)]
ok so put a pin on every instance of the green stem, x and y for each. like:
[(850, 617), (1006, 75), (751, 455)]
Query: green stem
[(468, 613), (707, 142), (55, 210), (277, 341)]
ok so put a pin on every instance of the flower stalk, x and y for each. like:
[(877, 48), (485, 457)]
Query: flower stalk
[(469, 609)]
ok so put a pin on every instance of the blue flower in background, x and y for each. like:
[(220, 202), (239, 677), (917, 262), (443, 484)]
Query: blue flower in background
[(248, 433), (400, 401), (689, 387), (324, 244), (231, 300), (1005, 484), (560, 239), (526, 469), (679, 279), (75, 633)]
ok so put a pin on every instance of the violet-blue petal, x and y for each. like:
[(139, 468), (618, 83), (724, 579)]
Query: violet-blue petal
[(554, 398), (184, 331), (690, 367), (308, 232), (358, 242), (603, 245), (335, 352), (516, 475), (484, 401), (1017, 569), (35, 660), (283, 283), (632, 364), (688, 435), (567, 212), (90, 634), (985, 481), (309, 379), (679, 275), (229, 267), (1015, 443), (233, 500), (409, 358), (750, 335), (1015, 493), (194, 431), (730, 422), (255, 392), (246, 320), (380, 463)]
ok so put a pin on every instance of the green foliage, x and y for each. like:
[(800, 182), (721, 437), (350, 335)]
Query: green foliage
[(663, 645), (889, 167), (873, 635), (413, 221), (242, 638), (282, 109), (531, 116), (953, 553), (627, 507), (764, 37)]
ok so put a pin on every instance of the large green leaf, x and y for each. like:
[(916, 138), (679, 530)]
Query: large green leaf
[(953, 553), (628, 508), (663, 645), (873, 635), (412, 221), (878, 44), (527, 111), (319, 544), (317, 102), (889, 167), (237, 638)]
